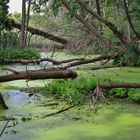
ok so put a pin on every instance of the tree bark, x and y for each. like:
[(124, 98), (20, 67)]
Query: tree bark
[(22, 35), (39, 74), (86, 61), (2, 103), (27, 21), (120, 85), (98, 7), (38, 61), (41, 33), (117, 12)]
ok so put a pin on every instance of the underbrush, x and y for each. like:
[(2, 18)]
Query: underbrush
[(18, 54), (132, 94), (74, 91), (77, 90)]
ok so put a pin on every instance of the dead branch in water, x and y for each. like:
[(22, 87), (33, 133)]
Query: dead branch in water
[(58, 112)]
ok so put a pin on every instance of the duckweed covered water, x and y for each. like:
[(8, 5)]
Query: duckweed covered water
[(116, 121)]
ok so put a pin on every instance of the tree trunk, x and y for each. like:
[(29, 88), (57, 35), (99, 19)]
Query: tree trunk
[(22, 36), (91, 28), (119, 85), (27, 20), (2, 103), (39, 74), (117, 12), (110, 25), (41, 33), (98, 7), (126, 4), (37, 61)]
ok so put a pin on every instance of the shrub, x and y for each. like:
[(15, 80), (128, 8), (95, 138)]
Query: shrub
[(9, 40), (73, 90), (18, 54), (134, 94), (118, 92)]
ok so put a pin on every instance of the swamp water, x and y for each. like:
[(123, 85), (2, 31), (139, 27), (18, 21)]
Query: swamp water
[(116, 121)]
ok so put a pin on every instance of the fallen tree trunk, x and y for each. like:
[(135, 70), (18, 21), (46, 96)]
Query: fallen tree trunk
[(119, 85), (41, 33), (86, 61), (70, 62), (39, 74), (38, 61), (98, 94), (2, 103), (50, 73)]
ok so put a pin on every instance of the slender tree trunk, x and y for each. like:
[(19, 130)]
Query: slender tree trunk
[(44, 34), (126, 4), (27, 21), (92, 28), (120, 35), (117, 12), (22, 36), (98, 7)]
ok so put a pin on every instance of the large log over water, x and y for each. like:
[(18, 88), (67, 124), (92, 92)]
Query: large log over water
[(38, 74), (41, 33), (38, 61)]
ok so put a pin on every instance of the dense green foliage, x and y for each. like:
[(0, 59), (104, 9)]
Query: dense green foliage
[(132, 94), (4, 24), (130, 58), (74, 90), (9, 40), (18, 54)]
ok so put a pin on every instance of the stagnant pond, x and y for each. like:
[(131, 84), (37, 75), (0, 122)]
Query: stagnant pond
[(117, 121)]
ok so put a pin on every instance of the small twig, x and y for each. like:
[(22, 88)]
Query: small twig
[(48, 104), (58, 112), (5, 127)]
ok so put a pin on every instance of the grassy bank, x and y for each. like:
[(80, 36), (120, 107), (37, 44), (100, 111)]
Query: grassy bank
[(75, 91)]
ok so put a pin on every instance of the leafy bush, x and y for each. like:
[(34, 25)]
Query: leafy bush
[(134, 94), (118, 92), (9, 40), (73, 90), (129, 58), (18, 54)]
